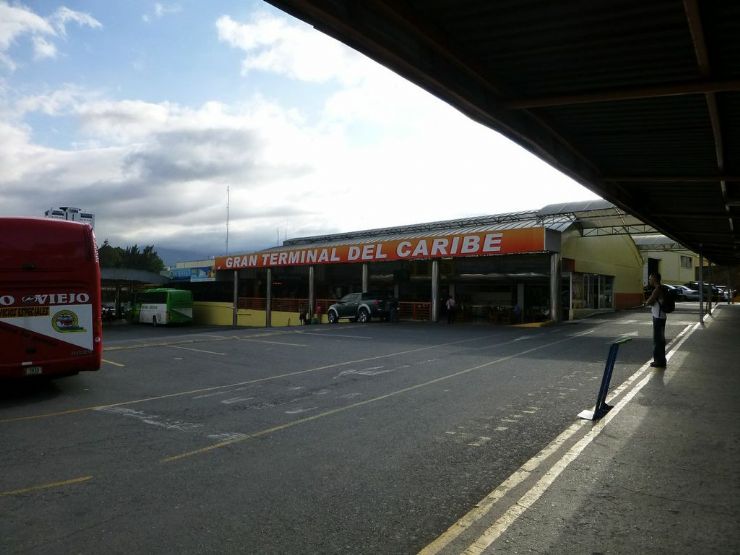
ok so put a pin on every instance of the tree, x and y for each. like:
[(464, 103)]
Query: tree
[(110, 257), (130, 257)]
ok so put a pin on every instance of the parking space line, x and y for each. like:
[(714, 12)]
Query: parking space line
[(334, 335), (194, 349), (273, 342), (46, 486), (482, 508), (338, 410), (113, 363), (217, 393), (247, 382)]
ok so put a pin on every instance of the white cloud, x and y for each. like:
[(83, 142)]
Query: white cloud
[(18, 21), (156, 167), (292, 49), (160, 10), (378, 152), (42, 48), (64, 15), (56, 103)]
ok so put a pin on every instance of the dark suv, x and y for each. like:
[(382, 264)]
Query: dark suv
[(362, 307)]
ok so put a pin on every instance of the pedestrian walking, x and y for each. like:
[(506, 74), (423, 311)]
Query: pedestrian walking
[(659, 319)]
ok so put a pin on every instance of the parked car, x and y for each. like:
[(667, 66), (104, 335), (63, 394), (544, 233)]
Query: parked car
[(726, 293), (362, 307), (108, 312), (684, 293), (709, 289)]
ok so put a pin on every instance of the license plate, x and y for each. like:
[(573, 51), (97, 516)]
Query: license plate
[(33, 371)]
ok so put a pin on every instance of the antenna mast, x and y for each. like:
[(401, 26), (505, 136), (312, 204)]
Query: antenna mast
[(227, 220)]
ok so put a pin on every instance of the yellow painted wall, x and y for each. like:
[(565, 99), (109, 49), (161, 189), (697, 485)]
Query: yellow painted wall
[(670, 266), (610, 255), (221, 314)]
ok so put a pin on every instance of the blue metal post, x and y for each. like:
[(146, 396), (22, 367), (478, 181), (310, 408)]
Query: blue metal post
[(601, 408)]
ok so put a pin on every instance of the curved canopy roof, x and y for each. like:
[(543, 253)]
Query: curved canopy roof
[(639, 101)]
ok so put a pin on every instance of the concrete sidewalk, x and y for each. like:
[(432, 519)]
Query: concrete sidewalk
[(662, 476)]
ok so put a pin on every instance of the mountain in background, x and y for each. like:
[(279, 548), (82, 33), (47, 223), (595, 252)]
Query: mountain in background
[(172, 256)]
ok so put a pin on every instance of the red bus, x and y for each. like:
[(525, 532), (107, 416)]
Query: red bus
[(50, 320)]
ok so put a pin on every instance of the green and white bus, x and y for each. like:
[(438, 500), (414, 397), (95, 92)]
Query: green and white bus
[(162, 306)]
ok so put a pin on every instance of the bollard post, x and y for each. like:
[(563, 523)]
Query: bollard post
[(601, 408)]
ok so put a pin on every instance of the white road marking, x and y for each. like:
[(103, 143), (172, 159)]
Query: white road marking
[(358, 404), (231, 385), (194, 349), (480, 441), (236, 400), (218, 393), (152, 419), (486, 505), (334, 335), (350, 395), (300, 411), (226, 436), (114, 363), (273, 342)]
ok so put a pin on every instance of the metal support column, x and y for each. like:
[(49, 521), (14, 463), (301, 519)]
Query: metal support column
[(701, 287), (731, 297), (268, 300), (435, 290), (235, 308), (555, 287), (365, 277), (711, 290), (311, 294), (520, 302)]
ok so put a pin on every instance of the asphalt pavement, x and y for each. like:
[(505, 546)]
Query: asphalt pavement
[(659, 474), (382, 438)]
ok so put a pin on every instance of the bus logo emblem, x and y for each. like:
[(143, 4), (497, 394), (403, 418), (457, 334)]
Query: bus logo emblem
[(65, 321)]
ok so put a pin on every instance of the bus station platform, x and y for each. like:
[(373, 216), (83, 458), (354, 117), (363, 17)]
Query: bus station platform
[(664, 474)]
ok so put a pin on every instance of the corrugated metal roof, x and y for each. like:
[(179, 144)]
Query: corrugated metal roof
[(657, 242), (483, 224), (422, 229), (639, 101), (591, 214)]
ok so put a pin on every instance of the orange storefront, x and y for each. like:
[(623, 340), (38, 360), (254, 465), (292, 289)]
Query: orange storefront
[(495, 275)]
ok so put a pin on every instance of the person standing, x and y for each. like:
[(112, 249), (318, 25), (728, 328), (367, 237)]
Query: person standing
[(450, 305), (659, 320)]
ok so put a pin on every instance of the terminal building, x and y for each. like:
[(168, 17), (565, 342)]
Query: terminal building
[(564, 261)]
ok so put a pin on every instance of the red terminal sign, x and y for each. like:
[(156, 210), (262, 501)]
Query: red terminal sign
[(470, 244)]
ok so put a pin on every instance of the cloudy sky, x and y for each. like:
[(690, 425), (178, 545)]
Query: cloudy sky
[(145, 112)]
